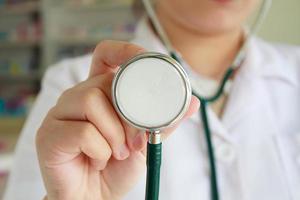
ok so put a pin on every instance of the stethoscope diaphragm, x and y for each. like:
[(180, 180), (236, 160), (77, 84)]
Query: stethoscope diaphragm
[(151, 91)]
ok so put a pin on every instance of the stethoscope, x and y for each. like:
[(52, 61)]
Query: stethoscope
[(152, 92)]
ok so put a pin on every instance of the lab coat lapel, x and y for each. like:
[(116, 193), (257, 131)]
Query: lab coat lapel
[(249, 107), (248, 100), (251, 123), (252, 126)]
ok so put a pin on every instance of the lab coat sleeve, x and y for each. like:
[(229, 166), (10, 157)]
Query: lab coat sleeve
[(25, 180)]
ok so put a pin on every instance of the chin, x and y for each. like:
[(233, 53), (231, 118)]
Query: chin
[(207, 16), (213, 25), (210, 16)]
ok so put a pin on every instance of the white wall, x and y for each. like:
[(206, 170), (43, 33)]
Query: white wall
[(283, 22)]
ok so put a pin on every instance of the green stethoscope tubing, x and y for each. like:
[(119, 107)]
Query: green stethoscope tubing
[(153, 171), (204, 101), (211, 155)]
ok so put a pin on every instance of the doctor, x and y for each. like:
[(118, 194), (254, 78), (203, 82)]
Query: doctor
[(85, 152)]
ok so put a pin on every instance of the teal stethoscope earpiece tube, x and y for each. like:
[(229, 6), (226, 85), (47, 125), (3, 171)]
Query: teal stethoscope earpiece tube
[(151, 92)]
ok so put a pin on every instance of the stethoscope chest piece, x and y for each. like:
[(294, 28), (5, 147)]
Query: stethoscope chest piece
[(151, 91)]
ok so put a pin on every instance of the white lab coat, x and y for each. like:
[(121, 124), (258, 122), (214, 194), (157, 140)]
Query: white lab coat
[(257, 141)]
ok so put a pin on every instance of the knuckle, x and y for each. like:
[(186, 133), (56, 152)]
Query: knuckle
[(102, 84), (89, 98), (51, 112), (106, 152), (46, 128), (123, 46), (103, 45), (103, 80), (129, 47), (85, 130), (67, 93), (39, 137)]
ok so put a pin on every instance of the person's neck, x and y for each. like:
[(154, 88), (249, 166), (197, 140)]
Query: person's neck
[(208, 55)]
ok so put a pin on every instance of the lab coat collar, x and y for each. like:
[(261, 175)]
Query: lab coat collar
[(249, 91), (263, 59), (249, 102), (249, 94)]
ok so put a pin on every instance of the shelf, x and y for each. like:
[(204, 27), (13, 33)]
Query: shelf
[(6, 161), (108, 5), (21, 77), (19, 44), (20, 8), (11, 125)]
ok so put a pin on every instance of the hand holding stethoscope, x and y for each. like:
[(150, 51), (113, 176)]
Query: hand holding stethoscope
[(81, 142), (85, 150)]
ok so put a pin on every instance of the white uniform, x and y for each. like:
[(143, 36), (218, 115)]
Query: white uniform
[(257, 141)]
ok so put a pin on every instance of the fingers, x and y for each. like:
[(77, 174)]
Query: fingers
[(110, 54), (91, 104), (82, 103), (95, 146), (91, 100), (136, 139), (62, 141)]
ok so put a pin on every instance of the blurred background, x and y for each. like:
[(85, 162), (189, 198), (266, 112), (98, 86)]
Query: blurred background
[(37, 33)]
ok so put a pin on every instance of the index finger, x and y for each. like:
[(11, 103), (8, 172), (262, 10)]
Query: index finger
[(108, 55)]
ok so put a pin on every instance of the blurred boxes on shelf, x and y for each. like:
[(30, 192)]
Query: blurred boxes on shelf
[(37, 33), (10, 128), (15, 101), (81, 24)]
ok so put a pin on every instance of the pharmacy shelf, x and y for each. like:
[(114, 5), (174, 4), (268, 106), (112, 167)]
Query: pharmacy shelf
[(19, 44), (11, 124), (20, 8), (35, 76), (78, 24), (104, 5), (10, 128)]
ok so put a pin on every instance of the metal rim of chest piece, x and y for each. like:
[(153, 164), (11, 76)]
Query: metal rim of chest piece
[(181, 72)]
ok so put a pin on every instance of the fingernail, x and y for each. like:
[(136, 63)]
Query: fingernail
[(139, 141), (124, 152)]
